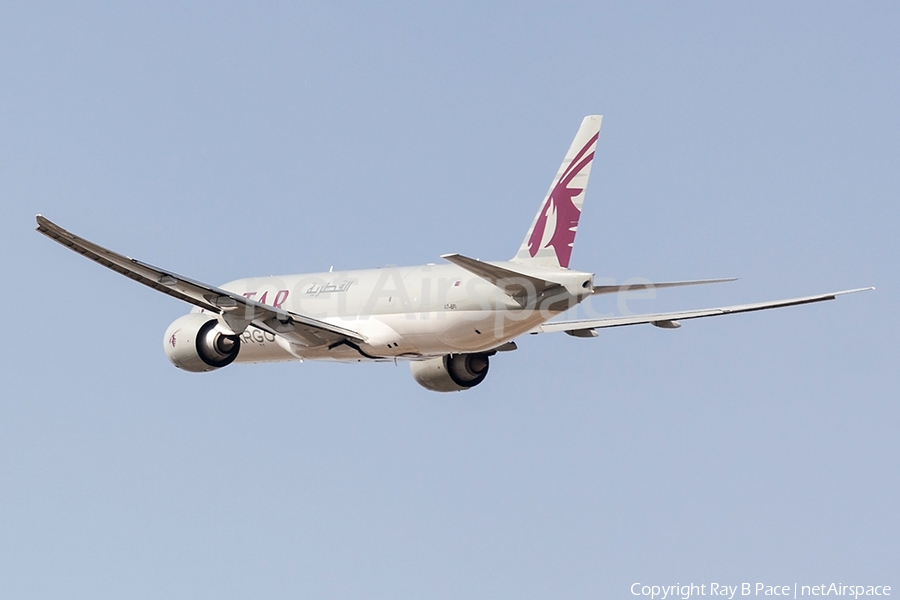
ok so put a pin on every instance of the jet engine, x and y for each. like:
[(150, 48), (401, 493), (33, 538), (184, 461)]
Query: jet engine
[(194, 343), (451, 372)]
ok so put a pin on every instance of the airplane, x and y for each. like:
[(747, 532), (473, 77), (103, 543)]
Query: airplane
[(445, 320)]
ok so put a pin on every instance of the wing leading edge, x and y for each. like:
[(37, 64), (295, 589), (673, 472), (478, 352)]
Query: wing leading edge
[(587, 327), (235, 310)]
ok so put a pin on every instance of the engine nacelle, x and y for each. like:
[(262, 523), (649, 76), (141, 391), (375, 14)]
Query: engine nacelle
[(451, 372), (194, 343)]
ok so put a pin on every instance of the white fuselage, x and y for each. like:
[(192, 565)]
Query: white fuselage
[(402, 312)]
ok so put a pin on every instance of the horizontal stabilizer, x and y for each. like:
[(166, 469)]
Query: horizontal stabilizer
[(638, 287), (517, 285)]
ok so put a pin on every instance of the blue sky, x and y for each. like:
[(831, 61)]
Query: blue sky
[(222, 140)]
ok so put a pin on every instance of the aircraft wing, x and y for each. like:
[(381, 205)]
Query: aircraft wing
[(588, 327), (236, 310)]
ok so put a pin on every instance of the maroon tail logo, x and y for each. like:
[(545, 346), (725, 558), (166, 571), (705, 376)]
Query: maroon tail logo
[(561, 202)]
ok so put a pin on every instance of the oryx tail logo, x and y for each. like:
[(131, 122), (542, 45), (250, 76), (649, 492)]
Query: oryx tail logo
[(560, 204)]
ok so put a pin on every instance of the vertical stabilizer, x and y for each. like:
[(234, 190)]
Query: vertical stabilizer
[(551, 236)]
